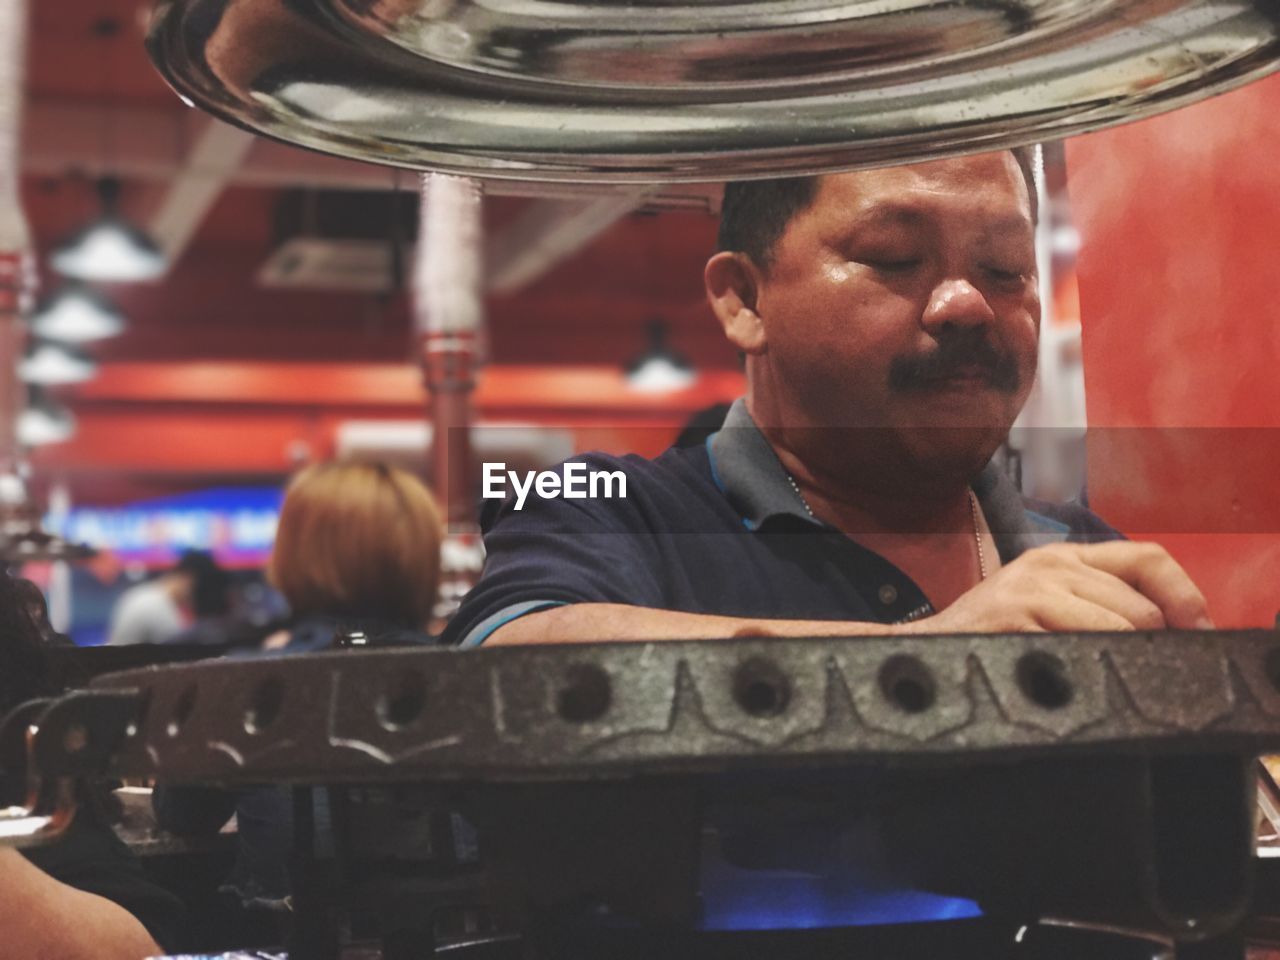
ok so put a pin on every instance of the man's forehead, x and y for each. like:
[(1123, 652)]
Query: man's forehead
[(896, 189)]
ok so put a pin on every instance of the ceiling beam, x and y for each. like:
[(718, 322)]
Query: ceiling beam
[(598, 389), (61, 136), (211, 163), (548, 232)]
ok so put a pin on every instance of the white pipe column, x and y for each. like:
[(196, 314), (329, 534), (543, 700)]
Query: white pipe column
[(1050, 431), (17, 272), (59, 593), (21, 535), (449, 319), (1030, 435)]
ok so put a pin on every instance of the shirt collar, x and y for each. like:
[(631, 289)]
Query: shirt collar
[(749, 473)]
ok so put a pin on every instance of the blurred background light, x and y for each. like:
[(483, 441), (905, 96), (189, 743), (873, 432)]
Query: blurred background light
[(109, 248), (55, 363), (660, 369), (76, 314)]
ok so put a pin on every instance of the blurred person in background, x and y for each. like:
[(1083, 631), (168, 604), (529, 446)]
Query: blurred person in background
[(357, 557), (33, 599), (159, 609), (702, 424), (218, 619), (83, 895)]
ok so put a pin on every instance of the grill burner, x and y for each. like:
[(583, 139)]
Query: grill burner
[(1104, 778)]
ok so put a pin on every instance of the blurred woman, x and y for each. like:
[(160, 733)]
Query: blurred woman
[(357, 556)]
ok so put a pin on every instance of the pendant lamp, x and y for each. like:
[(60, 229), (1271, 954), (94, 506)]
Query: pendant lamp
[(110, 248)]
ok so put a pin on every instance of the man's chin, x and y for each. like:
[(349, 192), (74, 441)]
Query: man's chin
[(951, 452)]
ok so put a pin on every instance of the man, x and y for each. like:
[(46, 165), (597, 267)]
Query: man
[(889, 320), (159, 610)]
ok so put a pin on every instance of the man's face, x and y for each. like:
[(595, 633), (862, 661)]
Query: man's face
[(905, 300)]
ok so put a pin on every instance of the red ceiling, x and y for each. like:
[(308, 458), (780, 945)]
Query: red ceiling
[(67, 59), (591, 310)]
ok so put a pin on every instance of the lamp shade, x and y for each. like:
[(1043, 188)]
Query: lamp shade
[(659, 369), (54, 363), (76, 314), (110, 248), (44, 421)]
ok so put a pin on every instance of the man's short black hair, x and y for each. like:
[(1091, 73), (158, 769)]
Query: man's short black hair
[(755, 213), (211, 585)]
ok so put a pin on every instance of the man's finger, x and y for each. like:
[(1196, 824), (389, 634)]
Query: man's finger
[(1112, 593), (1150, 570), (1071, 614)]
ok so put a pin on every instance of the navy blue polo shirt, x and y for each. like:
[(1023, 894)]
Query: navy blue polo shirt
[(718, 529)]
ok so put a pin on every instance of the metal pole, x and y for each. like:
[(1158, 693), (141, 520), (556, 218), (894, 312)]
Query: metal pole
[(449, 319)]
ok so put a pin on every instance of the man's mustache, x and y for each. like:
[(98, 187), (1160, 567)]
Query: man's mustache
[(958, 355)]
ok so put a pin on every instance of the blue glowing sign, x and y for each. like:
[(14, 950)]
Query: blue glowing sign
[(236, 524)]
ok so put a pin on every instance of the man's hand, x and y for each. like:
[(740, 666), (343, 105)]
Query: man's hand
[(1068, 587)]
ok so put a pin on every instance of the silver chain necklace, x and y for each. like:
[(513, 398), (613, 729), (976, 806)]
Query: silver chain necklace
[(973, 512)]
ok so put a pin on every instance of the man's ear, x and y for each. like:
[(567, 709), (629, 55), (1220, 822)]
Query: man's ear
[(733, 286)]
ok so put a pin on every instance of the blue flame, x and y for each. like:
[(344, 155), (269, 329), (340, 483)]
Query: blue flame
[(734, 899)]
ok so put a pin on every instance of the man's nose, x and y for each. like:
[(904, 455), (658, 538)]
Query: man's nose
[(956, 302)]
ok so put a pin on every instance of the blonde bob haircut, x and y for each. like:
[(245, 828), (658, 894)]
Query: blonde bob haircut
[(358, 540)]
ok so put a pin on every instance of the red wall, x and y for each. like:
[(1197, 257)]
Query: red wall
[(1179, 276)]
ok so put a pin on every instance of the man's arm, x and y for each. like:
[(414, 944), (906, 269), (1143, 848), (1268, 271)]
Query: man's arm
[(586, 622), (44, 918), (1066, 587)]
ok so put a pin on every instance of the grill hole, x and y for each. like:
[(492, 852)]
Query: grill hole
[(1272, 667), (586, 694), (1043, 680), (404, 702), (265, 705), (75, 739), (140, 718), (182, 711), (907, 683), (761, 688)]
